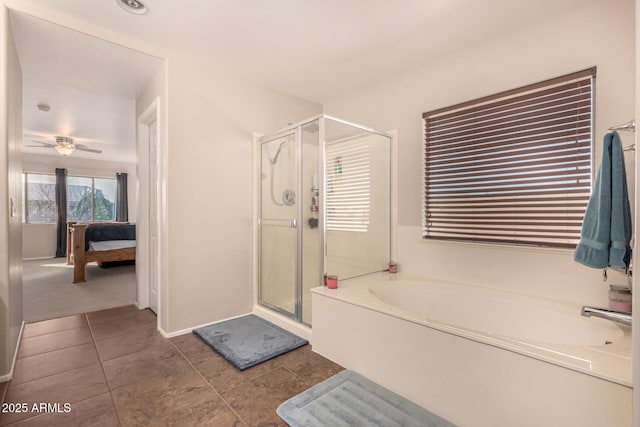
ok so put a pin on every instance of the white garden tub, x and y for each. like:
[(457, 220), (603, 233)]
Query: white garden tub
[(478, 356)]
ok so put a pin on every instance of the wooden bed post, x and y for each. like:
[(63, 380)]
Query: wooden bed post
[(78, 252), (69, 241)]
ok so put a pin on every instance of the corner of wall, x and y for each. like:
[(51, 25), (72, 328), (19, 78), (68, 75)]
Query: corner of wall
[(635, 351), (10, 195)]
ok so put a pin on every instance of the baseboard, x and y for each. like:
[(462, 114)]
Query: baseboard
[(189, 330), (39, 258), (7, 377)]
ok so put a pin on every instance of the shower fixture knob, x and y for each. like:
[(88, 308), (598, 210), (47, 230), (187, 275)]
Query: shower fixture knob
[(289, 197)]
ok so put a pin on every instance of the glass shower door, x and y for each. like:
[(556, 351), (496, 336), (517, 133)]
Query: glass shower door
[(279, 224)]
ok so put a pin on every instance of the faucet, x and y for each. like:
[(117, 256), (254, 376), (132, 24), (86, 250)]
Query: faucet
[(605, 313)]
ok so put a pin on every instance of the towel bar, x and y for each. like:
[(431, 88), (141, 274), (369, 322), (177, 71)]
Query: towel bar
[(627, 126)]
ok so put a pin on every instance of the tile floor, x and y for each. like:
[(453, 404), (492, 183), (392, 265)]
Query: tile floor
[(114, 368)]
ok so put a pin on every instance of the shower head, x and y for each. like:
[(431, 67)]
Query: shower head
[(275, 158)]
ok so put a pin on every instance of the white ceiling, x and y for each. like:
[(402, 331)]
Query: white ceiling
[(317, 50), (91, 86), (101, 121)]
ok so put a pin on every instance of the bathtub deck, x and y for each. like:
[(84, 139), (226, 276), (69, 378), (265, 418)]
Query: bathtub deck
[(464, 376)]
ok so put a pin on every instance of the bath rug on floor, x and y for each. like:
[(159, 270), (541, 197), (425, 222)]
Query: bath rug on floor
[(248, 340), (349, 399)]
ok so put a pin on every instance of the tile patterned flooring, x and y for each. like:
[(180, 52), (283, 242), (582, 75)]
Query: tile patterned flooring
[(114, 368)]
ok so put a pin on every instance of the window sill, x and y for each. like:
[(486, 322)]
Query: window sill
[(497, 246)]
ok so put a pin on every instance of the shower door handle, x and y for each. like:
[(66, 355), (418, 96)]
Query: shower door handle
[(272, 222)]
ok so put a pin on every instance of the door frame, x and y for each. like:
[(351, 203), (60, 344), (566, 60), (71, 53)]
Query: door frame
[(143, 262), (259, 141)]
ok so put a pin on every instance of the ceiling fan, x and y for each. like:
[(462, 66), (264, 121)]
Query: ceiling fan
[(64, 145)]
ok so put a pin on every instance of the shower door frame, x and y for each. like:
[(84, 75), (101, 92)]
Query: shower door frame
[(294, 223), (296, 129)]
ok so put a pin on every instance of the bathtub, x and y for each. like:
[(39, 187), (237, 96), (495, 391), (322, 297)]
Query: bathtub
[(478, 356)]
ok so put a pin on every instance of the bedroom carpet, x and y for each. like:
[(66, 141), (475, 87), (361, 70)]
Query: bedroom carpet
[(248, 340), (348, 399), (48, 292)]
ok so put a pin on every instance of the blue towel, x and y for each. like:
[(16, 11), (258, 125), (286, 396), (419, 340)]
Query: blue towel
[(606, 228)]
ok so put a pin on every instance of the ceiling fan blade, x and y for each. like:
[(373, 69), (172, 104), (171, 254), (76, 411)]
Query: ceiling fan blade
[(44, 144), (82, 147)]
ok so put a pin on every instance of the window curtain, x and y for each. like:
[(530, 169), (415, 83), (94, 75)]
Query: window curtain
[(61, 207), (122, 203)]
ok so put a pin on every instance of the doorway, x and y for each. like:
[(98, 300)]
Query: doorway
[(77, 75)]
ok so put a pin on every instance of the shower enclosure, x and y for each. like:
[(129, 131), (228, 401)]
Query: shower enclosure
[(324, 209)]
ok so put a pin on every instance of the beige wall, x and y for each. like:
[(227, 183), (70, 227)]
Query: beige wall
[(212, 117), (10, 219), (38, 241), (600, 34)]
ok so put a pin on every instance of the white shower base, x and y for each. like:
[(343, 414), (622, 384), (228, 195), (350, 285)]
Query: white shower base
[(285, 322)]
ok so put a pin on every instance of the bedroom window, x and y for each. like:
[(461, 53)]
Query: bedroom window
[(88, 198), (91, 199), (39, 201), (511, 168)]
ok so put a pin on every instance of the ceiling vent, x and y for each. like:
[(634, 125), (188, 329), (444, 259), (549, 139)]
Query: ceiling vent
[(133, 6)]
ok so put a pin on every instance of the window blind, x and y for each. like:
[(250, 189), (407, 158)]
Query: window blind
[(348, 185), (512, 168)]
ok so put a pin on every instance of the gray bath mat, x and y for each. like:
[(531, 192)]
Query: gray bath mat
[(248, 340), (349, 399)]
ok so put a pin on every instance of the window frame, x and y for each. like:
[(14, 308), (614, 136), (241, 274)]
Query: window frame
[(25, 192), (474, 216)]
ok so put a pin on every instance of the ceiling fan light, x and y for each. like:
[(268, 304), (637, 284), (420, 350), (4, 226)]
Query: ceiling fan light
[(65, 150)]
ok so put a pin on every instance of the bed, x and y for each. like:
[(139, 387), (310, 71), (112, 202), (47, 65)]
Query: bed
[(98, 242)]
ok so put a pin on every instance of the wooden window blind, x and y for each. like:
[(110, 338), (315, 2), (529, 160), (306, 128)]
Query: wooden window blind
[(511, 168), (348, 186)]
